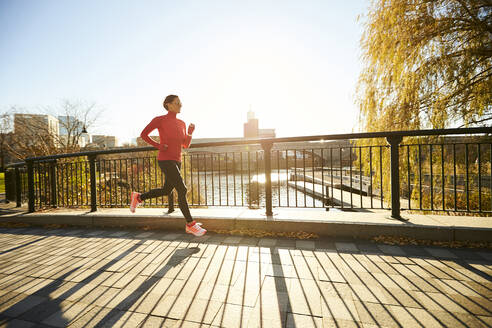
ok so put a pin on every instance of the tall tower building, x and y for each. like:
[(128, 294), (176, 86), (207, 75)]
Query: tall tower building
[(251, 127)]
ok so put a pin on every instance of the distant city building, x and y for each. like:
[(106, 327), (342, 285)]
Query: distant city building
[(251, 129), (36, 125), (85, 139), (266, 133), (71, 127), (142, 143), (105, 141), (81, 140)]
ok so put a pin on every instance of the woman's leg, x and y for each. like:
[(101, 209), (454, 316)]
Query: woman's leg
[(158, 192), (153, 193), (172, 171)]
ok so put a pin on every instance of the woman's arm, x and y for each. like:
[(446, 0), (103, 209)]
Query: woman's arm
[(146, 131), (187, 138)]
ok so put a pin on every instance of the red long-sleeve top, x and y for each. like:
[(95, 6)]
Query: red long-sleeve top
[(172, 132)]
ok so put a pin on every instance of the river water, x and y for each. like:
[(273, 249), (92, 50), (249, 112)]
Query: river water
[(237, 190)]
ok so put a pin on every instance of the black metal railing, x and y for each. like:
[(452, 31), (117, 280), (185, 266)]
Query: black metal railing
[(345, 171)]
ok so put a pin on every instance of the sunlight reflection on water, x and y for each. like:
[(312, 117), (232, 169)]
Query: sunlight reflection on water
[(275, 177)]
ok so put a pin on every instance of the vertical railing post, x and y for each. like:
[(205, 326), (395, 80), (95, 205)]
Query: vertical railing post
[(267, 147), (18, 187), (395, 175), (54, 198), (30, 185), (92, 169)]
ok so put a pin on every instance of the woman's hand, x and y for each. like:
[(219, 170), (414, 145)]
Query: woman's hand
[(163, 147), (191, 128)]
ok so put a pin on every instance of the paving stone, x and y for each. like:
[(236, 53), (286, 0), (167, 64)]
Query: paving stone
[(328, 322), (185, 308), (286, 242), (449, 319), (267, 242), (368, 248), (330, 275), (96, 317), (9, 299), (203, 311), (392, 250), (354, 264), (419, 284), (23, 305), (67, 314), (457, 287), (266, 316), (338, 308), (363, 294), (405, 298), (17, 324), (485, 320), (467, 254), (74, 232), (474, 305), (305, 244), (119, 234), (232, 315), (441, 253), (402, 316), (302, 270), (125, 319), (323, 244), (232, 240), (124, 299), (249, 241), (345, 283), (364, 314), (346, 247), (144, 235), (484, 290), (326, 258), (447, 302), (96, 233), (154, 321), (43, 310), (299, 320), (486, 255), (213, 239)]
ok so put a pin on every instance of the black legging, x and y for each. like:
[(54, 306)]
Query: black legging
[(171, 170)]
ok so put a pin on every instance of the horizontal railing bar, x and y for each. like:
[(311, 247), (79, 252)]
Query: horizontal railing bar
[(345, 136), (20, 164), (442, 144)]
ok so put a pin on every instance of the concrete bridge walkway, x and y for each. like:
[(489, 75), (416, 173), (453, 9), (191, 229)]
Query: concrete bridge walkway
[(80, 277)]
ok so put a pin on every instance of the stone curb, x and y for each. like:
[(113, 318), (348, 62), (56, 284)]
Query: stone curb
[(362, 230)]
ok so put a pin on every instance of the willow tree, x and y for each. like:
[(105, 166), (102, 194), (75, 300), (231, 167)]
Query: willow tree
[(427, 64)]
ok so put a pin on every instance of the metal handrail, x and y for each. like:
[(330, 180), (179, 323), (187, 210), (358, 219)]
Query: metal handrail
[(393, 138)]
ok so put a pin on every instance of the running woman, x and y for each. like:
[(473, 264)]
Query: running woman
[(172, 137)]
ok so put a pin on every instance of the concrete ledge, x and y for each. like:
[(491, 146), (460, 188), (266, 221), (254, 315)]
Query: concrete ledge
[(351, 225)]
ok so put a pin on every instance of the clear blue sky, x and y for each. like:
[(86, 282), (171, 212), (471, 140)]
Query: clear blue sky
[(295, 62)]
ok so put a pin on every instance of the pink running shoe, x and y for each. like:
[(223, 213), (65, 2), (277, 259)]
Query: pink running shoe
[(195, 228), (135, 201)]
